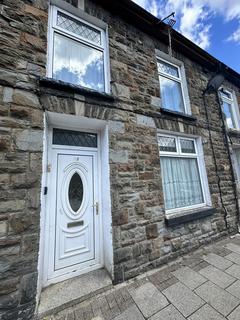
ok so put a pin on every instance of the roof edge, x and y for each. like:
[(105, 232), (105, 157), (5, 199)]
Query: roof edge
[(144, 20)]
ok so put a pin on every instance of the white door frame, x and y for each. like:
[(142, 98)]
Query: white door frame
[(51, 276), (78, 124)]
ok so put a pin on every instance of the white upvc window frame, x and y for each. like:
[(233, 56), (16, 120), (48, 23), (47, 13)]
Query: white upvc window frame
[(54, 28), (236, 162), (181, 80), (201, 168), (232, 100)]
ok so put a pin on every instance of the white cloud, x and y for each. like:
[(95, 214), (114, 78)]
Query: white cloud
[(194, 16), (141, 3), (235, 37)]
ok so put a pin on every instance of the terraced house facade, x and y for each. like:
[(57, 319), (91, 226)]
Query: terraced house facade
[(115, 152)]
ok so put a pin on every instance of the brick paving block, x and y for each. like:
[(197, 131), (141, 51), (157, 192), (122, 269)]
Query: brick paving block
[(234, 289), (235, 315), (200, 266), (123, 299), (221, 251), (84, 313), (189, 278), (148, 299), (219, 299), (168, 283), (111, 301), (206, 313), (217, 261), (217, 276), (234, 271), (160, 276), (185, 300), (234, 257), (99, 306), (132, 313), (233, 247), (168, 313)]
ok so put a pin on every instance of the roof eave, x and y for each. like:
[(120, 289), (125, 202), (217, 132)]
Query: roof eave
[(145, 21)]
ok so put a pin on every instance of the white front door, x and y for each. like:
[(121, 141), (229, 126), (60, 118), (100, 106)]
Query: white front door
[(73, 215)]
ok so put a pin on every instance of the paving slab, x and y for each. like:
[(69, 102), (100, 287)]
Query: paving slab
[(234, 271), (218, 298), (132, 313), (185, 300), (148, 299), (235, 315), (234, 257), (168, 313), (217, 261), (217, 276), (233, 247), (234, 289), (189, 277), (206, 312)]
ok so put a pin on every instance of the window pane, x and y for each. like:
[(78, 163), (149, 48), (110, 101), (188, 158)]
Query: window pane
[(181, 182), (187, 146), (78, 64), (78, 28), (228, 110), (167, 144), (171, 95), (237, 152), (74, 138), (168, 68)]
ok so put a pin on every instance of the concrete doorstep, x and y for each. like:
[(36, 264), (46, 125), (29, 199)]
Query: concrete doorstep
[(65, 294)]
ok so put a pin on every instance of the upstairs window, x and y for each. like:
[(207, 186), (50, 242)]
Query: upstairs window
[(183, 173), (230, 110), (171, 87), (77, 52)]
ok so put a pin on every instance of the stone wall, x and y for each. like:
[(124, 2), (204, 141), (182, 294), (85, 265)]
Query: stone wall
[(22, 59), (141, 239)]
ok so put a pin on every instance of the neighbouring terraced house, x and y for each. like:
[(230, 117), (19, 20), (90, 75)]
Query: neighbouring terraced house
[(118, 151)]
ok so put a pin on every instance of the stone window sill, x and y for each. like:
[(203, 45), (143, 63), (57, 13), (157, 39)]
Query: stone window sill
[(177, 114), (71, 88), (190, 216)]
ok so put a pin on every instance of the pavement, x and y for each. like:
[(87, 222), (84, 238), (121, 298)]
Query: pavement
[(203, 285)]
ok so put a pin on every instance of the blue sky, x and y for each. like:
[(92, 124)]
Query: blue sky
[(214, 25)]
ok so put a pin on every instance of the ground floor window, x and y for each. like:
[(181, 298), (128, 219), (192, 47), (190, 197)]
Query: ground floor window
[(236, 154), (183, 173)]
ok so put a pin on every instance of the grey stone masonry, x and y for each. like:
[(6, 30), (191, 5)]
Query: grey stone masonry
[(141, 238)]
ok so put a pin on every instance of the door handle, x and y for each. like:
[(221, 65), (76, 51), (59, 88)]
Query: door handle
[(96, 206)]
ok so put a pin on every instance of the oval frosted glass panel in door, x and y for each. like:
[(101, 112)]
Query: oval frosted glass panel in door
[(75, 192)]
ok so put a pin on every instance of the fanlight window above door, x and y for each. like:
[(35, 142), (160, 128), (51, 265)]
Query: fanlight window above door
[(74, 138), (75, 192)]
